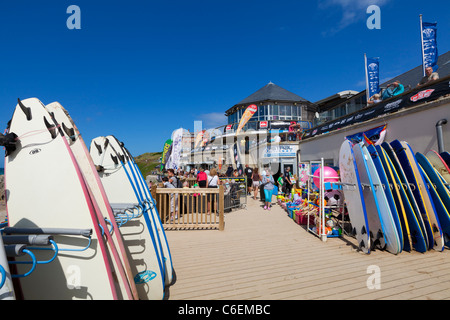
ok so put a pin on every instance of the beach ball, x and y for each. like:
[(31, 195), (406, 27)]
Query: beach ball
[(330, 175), (330, 223)]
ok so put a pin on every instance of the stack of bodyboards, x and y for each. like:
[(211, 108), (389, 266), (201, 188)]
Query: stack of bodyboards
[(81, 224), (396, 199)]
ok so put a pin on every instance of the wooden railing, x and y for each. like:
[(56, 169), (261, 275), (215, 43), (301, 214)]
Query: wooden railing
[(190, 208)]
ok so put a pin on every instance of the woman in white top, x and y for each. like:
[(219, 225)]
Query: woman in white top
[(213, 182)]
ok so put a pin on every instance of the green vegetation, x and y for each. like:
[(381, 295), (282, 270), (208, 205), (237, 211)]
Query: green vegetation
[(148, 162)]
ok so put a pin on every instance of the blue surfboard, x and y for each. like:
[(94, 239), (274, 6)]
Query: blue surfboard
[(439, 194), (376, 232), (393, 193), (422, 233), (446, 156), (421, 193), (393, 237)]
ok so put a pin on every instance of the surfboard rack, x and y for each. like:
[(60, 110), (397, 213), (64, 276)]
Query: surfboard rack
[(34, 233), (321, 207), (17, 250), (3, 275), (126, 212)]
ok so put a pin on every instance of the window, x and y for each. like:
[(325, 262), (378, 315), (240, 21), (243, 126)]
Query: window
[(289, 111), (275, 110), (282, 110)]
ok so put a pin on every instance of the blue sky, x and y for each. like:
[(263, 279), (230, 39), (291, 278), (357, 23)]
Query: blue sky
[(141, 69)]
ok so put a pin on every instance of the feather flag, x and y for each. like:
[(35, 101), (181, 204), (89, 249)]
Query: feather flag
[(248, 114)]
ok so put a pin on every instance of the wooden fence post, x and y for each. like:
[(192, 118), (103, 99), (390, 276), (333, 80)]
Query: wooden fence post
[(221, 208)]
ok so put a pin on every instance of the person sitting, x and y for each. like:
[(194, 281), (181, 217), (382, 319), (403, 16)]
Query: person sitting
[(393, 89), (429, 76), (374, 99)]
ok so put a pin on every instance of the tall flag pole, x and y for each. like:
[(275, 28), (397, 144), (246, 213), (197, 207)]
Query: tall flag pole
[(421, 44), (372, 67), (428, 36), (367, 78)]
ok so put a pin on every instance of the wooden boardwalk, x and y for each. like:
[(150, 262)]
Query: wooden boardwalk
[(265, 255)]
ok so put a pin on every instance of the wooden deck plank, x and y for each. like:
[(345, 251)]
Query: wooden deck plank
[(265, 255)]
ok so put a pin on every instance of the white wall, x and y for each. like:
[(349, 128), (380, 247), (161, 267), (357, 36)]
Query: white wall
[(417, 126)]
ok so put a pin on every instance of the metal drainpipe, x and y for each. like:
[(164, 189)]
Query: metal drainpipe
[(439, 134)]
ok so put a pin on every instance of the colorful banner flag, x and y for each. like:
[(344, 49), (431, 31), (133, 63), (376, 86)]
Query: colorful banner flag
[(166, 153), (237, 159), (199, 138), (372, 76), (174, 160), (248, 114), (373, 136), (429, 45)]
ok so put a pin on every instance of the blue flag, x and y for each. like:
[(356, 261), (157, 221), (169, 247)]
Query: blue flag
[(372, 76), (429, 45)]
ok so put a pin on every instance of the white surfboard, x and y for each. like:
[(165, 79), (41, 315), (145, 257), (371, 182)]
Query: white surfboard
[(144, 256), (100, 200), (6, 284), (45, 189), (131, 175), (376, 233), (150, 203), (354, 196), (391, 234)]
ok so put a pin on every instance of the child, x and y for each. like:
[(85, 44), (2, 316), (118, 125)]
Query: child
[(280, 183), (173, 199)]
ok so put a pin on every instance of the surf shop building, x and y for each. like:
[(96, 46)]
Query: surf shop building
[(269, 137), (419, 116)]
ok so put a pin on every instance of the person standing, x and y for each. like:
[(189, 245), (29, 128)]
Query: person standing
[(280, 183), (287, 182), (202, 178), (229, 172), (256, 178), (173, 199), (269, 184), (249, 173), (213, 182), (172, 178)]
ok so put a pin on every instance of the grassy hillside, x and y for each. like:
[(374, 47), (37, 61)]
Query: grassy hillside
[(147, 162)]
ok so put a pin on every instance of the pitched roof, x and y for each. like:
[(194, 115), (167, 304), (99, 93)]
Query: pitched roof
[(270, 92)]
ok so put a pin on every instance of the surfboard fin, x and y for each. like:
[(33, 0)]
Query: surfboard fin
[(69, 132), (51, 128), (380, 234), (114, 158), (361, 244), (99, 149), (354, 231), (363, 230), (25, 110)]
